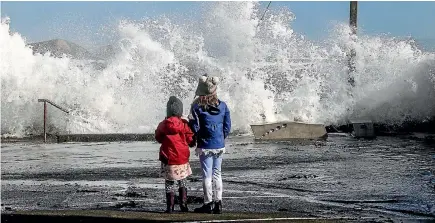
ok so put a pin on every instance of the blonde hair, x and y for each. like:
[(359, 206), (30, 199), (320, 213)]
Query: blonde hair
[(206, 101)]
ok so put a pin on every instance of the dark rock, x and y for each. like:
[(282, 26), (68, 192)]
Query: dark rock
[(283, 209), (298, 176), (126, 204), (87, 191), (8, 208), (383, 129), (426, 173), (130, 194), (133, 194)]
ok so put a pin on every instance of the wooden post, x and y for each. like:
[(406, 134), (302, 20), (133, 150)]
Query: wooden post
[(353, 26), (45, 121)]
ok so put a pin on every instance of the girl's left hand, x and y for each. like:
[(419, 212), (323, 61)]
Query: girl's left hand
[(198, 151), (185, 117)]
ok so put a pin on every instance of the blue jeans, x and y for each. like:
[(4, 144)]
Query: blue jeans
[(211, 169)]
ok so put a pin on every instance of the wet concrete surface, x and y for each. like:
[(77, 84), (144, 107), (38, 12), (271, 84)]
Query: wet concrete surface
[(385, 178)]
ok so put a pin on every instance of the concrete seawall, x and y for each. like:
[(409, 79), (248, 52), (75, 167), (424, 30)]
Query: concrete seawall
[(111, 137), (406, 129), (104, 137)]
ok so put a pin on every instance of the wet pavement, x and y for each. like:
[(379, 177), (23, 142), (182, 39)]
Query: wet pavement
[(341, 177)]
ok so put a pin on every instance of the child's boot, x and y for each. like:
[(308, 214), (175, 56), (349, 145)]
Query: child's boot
[(217, 207), (183, 199), (170, 201), (206, 208)]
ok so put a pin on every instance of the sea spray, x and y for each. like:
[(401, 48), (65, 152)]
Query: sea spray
[(268, 73)]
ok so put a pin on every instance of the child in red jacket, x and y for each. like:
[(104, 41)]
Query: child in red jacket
[(175, 136)]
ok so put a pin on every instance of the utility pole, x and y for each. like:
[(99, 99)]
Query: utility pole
[(353, 26), (353, 16)]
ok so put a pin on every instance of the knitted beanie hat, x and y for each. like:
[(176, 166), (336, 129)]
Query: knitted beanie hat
[(174, 107), (206, 85)]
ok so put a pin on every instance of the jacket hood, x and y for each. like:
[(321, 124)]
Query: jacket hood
[(211, 109), (174, 125)]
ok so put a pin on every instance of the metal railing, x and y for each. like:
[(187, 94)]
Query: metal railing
[(45, 113)]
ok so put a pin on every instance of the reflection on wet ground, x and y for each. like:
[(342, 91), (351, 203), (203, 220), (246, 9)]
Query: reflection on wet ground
[(385, 177)]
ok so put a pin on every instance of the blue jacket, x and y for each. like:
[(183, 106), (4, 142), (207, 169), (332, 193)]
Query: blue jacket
[(212, 126)]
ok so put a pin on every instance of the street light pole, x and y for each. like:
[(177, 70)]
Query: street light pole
[(353, 26)]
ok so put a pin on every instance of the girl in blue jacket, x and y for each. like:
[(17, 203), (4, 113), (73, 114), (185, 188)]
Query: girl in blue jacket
[(211, 123)]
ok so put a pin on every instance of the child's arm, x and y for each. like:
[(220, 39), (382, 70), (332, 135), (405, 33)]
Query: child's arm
[(188, 135), (159, 133), (227, 122), (163, 157), (194, 122)]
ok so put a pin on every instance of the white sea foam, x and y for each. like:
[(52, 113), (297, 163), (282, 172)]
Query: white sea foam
[(265, 67)]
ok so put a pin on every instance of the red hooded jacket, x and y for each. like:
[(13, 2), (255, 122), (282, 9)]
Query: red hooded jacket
[(175, 136)]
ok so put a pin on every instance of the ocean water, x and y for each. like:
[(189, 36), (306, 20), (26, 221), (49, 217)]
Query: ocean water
[(341, 176)]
